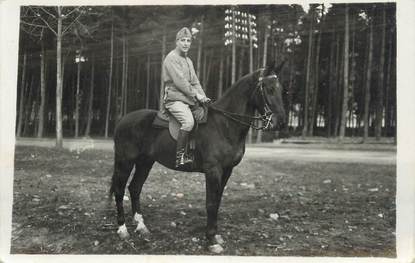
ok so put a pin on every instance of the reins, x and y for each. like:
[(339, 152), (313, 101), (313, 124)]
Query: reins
[(265, 118)]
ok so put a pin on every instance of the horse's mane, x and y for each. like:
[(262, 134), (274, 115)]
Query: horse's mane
[(242, 85)]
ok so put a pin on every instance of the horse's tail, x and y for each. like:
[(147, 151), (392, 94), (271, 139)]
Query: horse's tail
[(111, 191), (115, 174), (112, 186), (129, 136)]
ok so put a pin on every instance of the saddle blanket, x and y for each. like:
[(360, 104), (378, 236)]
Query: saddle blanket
[(160, 121)]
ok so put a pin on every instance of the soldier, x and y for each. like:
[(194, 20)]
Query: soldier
[(182, 90)]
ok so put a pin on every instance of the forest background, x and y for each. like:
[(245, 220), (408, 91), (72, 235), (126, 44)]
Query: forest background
[(82, 68)]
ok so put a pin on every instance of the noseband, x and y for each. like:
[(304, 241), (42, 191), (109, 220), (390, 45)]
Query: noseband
[(265, 118)]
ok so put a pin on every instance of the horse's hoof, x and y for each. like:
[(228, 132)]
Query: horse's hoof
[(219, 240), (141, 227), (217, 249), (143, 232), (123, 232)]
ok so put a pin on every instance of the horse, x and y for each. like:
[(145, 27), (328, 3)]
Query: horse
[(220, 145)]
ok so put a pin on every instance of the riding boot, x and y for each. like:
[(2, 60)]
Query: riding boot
[(182, 158)]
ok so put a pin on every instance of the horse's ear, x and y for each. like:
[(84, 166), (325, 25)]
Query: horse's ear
[(270, 65), (278, 68)]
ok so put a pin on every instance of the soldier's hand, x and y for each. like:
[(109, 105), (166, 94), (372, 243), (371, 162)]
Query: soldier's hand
[(202, 99), (206, 100)]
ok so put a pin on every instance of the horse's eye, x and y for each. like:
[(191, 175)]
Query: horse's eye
[(271, 90)]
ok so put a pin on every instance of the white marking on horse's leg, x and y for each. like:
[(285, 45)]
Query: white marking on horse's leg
[(216, 248), (141, 227), (219, 240), (123, 232)]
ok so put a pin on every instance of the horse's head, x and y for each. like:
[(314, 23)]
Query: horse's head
[(267, 97)]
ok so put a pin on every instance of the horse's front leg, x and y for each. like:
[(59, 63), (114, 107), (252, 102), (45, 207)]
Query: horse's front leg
[(214, 190)]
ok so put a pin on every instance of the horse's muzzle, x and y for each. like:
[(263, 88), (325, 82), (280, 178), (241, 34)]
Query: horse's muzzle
[(278, 122)]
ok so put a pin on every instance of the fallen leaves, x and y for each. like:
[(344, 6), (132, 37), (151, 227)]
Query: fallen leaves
[(311, 216), (274, 216), (36, 198), (247, 186)]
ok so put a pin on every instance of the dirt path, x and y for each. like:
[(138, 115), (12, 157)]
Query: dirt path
[(323, 155), (267, 151)]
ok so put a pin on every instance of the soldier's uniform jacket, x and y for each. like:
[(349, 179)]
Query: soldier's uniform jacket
[(180, 80)]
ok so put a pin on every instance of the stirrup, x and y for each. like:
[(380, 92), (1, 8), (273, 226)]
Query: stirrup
[(182, 159)]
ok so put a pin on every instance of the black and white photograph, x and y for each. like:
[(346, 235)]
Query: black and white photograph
[(236, 130)]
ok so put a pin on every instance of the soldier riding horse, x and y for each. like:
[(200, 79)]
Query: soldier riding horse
[(220, 144)]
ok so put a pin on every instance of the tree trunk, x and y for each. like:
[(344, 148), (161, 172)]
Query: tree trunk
[(352, 79), (116, 88), (307, 81), (69, 114), (126, 79), (199, 49), (393, 89), (381, 84), (42, 92), (163, 55), (209, 69), (345, 77), (28, 106), (388, 86), (91, 98), (204, 69), (22, 97), (314, 111), (241, 62), (220, 84), (264, 64), (107, 115), (289, 94), (139, 93), (332, 75), (337, 93), (123, 75), (77, 98), (251, 47), (156, 95), (227, 76), (233, 76), (148, 82), (59, 134)]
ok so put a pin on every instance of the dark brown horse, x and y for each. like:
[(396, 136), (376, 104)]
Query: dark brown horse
[(220, 145)]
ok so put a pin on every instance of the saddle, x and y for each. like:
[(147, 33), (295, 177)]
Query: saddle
[(167, 121)]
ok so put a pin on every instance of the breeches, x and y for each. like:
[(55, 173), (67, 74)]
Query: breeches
[(181, 111)]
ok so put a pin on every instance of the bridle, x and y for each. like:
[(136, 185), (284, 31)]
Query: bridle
[(265, 118)]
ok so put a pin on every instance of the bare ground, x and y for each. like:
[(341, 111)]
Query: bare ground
[(323, 208)]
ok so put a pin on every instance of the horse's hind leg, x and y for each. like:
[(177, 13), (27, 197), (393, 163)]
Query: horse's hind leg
[(122, 169), (142, 169)]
